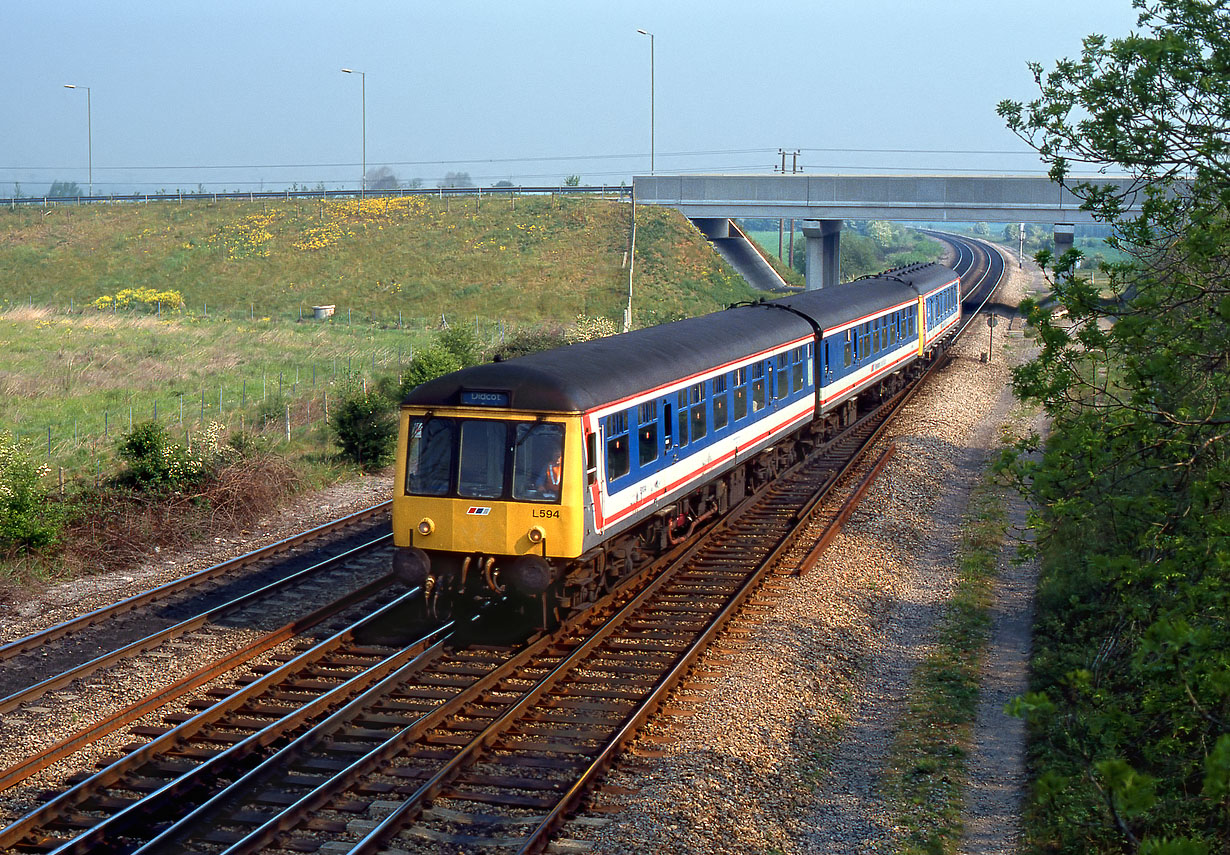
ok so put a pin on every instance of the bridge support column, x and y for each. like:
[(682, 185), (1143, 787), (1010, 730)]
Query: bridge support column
[(713, 227), (1065, 236), (823, 253)]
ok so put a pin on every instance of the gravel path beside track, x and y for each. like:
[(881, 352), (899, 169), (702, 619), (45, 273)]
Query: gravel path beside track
[(785, 749)]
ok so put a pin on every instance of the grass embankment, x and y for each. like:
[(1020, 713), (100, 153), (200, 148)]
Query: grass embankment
[(394, 268)]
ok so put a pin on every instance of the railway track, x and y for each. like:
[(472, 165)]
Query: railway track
[(58, 655), (443, 742)]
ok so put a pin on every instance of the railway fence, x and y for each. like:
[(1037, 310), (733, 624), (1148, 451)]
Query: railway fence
[(179, 196)]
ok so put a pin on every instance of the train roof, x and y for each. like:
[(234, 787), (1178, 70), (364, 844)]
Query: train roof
[(579, 377), (586, 375), (840, 304)]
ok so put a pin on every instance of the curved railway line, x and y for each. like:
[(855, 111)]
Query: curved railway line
[(450, 738)]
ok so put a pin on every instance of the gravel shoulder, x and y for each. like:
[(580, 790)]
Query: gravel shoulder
[(783, 744)]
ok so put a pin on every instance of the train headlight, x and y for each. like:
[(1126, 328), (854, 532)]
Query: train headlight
[(536, 534), (426, 526)]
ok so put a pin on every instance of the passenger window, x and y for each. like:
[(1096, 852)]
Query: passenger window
[(720, 414), (740, 393), (683, 417), (783, 375), (758, 393), (696, 395), (647, 435)]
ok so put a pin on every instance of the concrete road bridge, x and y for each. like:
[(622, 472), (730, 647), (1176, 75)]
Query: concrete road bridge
[(824, 201)]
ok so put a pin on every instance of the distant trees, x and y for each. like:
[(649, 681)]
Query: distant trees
[(60, 189), (455, 179), (381, 178), (572, 181)]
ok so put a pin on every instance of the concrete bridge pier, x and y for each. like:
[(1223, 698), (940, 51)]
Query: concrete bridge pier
[(1065, 236), (823, 253)]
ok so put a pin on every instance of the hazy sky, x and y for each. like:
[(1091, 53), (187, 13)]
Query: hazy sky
[(249, 95)]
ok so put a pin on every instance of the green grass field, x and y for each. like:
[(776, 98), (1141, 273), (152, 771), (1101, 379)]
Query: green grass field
[(76, 367)]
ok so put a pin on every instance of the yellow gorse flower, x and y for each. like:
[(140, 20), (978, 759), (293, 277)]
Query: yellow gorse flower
[(148, 296)]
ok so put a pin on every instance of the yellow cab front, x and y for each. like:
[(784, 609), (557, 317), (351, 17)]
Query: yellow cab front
[(476, 488)]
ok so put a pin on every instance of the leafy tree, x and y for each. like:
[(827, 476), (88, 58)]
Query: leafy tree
[(982, 229), (503, 184), (62, 189), (572, 181), (462, 342), (1131, 708), (881, 232), (429, 363)]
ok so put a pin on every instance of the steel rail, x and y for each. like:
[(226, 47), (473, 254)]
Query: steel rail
[(35, 640), (843, 514), (154, 639), (186, 730), (264, 835), (414, 804), (46, 757), (642, 713)]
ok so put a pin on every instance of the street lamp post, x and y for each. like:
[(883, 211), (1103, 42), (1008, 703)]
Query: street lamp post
[(363, 180), (651, 91), (89, 132)]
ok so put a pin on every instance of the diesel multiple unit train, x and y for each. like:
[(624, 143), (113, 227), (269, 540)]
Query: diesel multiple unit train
[(552, 475)]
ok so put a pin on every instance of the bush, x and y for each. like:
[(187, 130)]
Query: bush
[(531, 341), (155, 462), (28, 520), (365, 427)]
